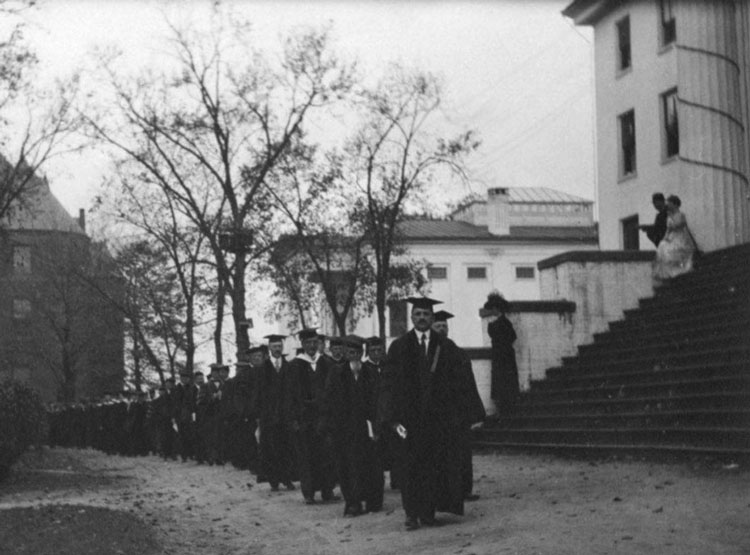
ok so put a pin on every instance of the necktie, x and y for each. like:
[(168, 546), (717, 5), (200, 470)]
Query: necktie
[(424, 344)]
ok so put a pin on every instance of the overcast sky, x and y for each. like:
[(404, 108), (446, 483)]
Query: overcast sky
[(517, 72)]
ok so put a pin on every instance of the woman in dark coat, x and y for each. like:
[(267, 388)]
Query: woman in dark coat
[(505, 390)]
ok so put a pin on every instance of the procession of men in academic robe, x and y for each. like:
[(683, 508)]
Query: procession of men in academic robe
[(323, 419)]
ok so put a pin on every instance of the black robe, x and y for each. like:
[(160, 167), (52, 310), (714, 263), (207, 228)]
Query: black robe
[(420, 393), (276, 451), (349, 405), (240, 413), (304, 394), (504, 389)]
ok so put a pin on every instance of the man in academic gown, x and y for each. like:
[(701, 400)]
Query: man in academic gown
[(276, 452), (418, 401), (303, 410), (184, 414), (209, 402), (349, 415), (474, 412), (387, 440), (240, 404)]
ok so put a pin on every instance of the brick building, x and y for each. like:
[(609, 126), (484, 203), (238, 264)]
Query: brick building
[(59, 330)]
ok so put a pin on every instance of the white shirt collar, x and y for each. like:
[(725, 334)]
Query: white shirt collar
[(307, 358)]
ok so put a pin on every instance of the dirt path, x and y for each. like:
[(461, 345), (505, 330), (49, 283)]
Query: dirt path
[(529, 504)]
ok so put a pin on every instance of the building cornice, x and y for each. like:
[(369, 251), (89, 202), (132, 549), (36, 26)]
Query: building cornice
[(596, 256), (588, 12)]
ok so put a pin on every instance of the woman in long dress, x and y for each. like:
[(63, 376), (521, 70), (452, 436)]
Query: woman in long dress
[(504, 387), (674, 256)]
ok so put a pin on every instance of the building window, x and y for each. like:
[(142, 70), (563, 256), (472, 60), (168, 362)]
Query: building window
[(623, 44), (670, 127), (21, 259), (21, 309), (476, 272), (630, 238), (627, 143), (437, 272), (525, 272), (397, 318), (668, 25)]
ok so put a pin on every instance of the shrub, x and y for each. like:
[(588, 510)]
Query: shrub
[(22, 421)]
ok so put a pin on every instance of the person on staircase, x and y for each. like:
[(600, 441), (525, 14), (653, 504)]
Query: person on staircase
[(674, 255), (656, 232)]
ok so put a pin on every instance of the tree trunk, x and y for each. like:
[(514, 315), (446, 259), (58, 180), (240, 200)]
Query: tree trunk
[(238, 307), (220, 303)]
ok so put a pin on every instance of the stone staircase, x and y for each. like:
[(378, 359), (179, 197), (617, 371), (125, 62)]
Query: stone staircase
[(670, 379)]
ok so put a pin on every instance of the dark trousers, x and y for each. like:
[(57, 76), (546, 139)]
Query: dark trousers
[(276, 453), (467, 467), (360, 472), (314, 462)]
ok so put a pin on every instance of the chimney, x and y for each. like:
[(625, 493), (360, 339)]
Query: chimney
[(498, 211), (82, 219)]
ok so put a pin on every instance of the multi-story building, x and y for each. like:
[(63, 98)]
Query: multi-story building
[(59, 329), (672, 108), (489, 244)]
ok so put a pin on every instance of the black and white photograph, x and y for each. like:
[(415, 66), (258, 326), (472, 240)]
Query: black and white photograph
[(361, 277)]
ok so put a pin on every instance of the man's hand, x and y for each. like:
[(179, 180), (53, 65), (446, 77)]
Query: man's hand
[(477, 425), (400, 431)]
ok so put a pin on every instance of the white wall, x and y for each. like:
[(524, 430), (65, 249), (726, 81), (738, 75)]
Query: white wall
[(464, 297), (653, 72)]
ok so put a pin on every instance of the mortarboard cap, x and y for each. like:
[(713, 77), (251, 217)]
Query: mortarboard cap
[(336, 341), (273, 338), (255, 349), (307, 333), (443, 316), (352, 341), (422, 302), (374, 340), (218, 366)]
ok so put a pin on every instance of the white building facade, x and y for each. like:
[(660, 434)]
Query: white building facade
[(488, 245), (672, 109)]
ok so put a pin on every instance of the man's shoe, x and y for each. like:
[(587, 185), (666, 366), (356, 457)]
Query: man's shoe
[(373, 508), (471, 497), (309, 501), (428, 521), (330, 496), (275, 487), (289, 486), (411, 524)]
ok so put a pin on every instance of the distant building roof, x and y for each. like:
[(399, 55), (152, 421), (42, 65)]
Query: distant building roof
[(40, 211), (449, 230), (543, 194)]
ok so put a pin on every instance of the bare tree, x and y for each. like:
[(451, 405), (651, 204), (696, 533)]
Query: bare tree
[(217, 128), (327, 244), (36, 123), (392, 158)]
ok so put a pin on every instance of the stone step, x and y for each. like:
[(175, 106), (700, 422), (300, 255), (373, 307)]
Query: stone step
[(683, 322), (635, 419), (532, 405), (721, 437), (638, 389), (656, 451), (737, 352), (562, 380), (644, 330), (729, 335), (666, 311)]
